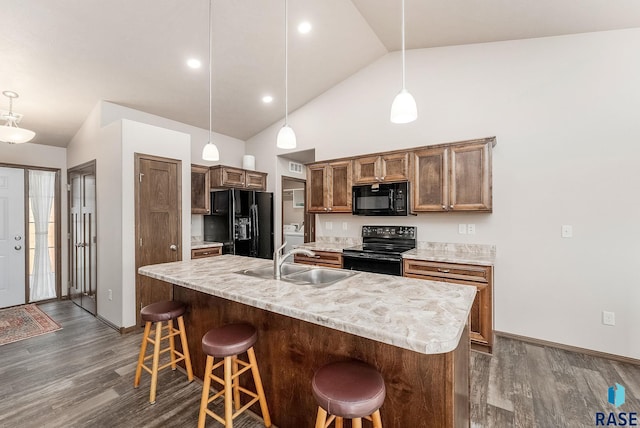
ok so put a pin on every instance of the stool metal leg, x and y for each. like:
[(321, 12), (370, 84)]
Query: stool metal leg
[(156, 360), (259, 389), (143, 350), (185, 348), (204, 402)]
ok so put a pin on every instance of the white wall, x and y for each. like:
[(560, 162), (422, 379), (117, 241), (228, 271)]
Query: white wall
[(50, 157), (565, 113)]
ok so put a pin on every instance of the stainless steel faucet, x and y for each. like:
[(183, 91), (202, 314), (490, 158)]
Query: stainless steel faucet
[(278, 258)]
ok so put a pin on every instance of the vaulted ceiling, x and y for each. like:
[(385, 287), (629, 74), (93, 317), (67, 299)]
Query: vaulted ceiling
[(63, 56)]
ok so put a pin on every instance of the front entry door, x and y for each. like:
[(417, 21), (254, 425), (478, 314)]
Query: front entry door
[(83, 237), (12, 239), (158, 224)]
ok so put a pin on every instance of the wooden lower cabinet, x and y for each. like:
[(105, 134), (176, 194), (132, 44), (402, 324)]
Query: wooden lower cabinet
[(322, 258), (481, 277), (201, 253)]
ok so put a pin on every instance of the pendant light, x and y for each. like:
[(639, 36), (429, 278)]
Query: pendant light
[(210, 151), (10, 132), (286, 137), (403, 109)]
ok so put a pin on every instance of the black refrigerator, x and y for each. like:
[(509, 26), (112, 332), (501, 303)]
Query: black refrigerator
[(243, 221)]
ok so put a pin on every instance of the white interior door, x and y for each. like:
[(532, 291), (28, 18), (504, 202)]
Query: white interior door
[(12, 239)]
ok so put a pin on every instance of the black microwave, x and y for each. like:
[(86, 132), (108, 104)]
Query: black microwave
[(381, 199)]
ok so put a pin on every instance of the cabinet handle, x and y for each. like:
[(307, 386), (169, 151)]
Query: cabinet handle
[(443, 270)]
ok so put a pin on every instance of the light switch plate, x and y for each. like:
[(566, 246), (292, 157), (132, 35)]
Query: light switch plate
[(462, 229), (328, 225), (567, 231)]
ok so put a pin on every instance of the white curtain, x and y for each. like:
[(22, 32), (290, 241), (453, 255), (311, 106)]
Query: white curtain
[(41, 194)]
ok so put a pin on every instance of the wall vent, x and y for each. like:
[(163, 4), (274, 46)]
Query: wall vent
[(295, 167)]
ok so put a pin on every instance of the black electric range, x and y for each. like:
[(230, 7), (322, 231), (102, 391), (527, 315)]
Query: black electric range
[(381, 249)]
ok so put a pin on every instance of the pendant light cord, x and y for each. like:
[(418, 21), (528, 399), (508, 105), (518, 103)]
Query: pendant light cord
[(286, 64), (210, 77), (403, 65)]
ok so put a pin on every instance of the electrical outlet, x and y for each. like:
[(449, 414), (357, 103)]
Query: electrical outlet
[(328, 225), (608, 318), (567, 231), (345, 225), (462, 229), (471, 229), (110, 294)]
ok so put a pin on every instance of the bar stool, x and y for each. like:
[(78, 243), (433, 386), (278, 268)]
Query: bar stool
[(227, 342), (348, 389), (159, 312)]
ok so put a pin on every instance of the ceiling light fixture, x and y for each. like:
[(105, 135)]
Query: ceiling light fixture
[(267, 99), (286, 137), (304, 27), (210, 151), (403, 109), (10, 132)]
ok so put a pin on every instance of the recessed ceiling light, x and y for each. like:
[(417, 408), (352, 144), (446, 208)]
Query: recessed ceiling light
[(267, 99), (194, 63), (304, 27)]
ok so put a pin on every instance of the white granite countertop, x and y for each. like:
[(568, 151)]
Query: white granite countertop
[(462, 257), (196, 245), (422, 316)]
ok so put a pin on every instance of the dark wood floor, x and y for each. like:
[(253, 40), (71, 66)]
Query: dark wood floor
[(82, 376)]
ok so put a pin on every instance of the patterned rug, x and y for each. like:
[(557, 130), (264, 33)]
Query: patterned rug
[(23, 322)]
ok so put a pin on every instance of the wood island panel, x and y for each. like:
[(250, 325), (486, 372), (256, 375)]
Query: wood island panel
[(423, 390)]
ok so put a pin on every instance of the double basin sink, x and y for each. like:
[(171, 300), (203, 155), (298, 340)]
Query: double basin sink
[(298, 274)]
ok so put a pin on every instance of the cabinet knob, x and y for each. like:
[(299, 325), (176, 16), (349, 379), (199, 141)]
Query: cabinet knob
[(451, 206), (444, 207), (326, 209), (330, 208)]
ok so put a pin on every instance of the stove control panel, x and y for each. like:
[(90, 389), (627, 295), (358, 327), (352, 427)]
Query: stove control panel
[(402, 232)]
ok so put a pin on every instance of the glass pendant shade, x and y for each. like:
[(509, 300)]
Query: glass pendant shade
[(404, 109), (10, 133), (210, 152), (286, 138)]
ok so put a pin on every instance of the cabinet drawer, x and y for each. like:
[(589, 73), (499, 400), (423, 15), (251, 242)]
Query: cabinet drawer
[(322, 258), (448, 271), (206, 252)]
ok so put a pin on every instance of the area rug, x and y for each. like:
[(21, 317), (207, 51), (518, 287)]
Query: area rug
[(23, 322)]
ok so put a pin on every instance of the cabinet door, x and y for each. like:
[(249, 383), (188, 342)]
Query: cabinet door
[(256, 180), (339, 181), (471, 177), (316, 188), (233, 177), (431, 180), (366, 170), (200, 190), (394, 167)]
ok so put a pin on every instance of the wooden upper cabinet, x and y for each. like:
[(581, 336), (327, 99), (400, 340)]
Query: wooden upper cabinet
[(455, 177), (329, 187), (382, 168), (431, 181), (256, 180), (237, 178), (471, 177), (200, 190)]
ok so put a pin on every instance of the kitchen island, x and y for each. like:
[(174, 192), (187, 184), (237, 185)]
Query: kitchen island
[(413, 331)]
